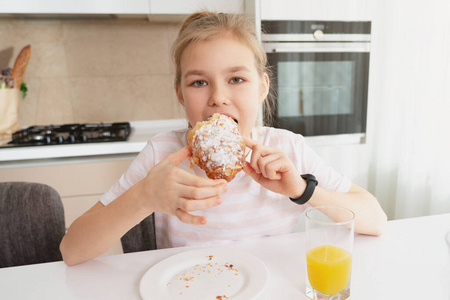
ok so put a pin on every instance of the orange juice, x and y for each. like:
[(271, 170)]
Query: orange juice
[(328, 268)]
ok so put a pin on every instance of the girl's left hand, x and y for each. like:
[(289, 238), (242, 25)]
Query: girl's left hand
[(272, 169)]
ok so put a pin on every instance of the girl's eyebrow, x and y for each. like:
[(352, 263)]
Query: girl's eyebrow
[(193, 72), (229, 70), (237, 69)]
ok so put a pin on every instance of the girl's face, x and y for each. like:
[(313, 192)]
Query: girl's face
[(219, 76)]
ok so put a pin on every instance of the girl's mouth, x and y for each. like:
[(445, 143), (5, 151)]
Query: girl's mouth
[(231, 116)]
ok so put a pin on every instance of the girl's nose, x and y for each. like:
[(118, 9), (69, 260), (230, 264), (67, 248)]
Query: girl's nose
[(218, 97)]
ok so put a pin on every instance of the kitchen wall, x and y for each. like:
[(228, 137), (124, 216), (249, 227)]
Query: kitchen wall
[(93, 70)]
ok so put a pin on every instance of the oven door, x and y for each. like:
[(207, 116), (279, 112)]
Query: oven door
[(321, 88)]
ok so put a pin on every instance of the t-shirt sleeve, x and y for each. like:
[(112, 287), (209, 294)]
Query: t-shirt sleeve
[(309, 162), (137, 170)]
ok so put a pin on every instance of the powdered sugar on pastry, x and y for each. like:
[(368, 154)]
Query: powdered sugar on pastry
[(217, 147)]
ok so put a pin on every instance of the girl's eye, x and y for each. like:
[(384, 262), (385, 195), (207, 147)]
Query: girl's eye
[(199, 83), (236, 80)]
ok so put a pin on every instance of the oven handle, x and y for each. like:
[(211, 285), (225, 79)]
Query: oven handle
[(308, 37), (315, 47)]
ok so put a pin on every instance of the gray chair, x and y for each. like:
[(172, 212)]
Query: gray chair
[(141, 237), (31, 224)]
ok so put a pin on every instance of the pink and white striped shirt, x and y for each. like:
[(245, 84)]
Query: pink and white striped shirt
[(248, 210)]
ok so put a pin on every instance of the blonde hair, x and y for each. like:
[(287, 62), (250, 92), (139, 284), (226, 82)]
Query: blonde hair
[(205, 25)]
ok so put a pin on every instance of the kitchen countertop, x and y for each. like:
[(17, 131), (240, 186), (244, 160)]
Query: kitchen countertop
[(141, 132)]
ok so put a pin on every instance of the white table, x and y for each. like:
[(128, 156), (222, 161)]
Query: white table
[(410, 261)]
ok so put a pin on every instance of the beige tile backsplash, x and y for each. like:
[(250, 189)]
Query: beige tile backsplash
[(93, 70)]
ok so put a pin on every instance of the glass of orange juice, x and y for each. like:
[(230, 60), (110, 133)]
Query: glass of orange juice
[(329, 246)]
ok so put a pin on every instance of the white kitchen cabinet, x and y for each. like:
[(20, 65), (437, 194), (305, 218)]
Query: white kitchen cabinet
[(131, 7), (80, 185), (171, 10), (332, 10), (74, 7), (156, 10)]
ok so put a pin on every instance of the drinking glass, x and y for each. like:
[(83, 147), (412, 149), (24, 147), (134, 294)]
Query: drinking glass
[(329, 246)]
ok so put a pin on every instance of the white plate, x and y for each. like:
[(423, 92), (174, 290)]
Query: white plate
[(205, 274)]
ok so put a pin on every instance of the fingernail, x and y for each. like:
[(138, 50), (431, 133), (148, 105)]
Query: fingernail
[(202, 221), (218, 200)]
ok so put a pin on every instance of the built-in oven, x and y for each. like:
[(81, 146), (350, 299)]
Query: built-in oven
[(321, 74)]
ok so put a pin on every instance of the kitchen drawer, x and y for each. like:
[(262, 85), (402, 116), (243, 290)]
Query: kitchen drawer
[(70, 180)]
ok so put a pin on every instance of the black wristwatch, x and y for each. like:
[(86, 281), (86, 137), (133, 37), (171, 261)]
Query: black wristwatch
[(311, 183)]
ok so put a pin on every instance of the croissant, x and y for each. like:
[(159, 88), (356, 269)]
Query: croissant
[(217, 147)]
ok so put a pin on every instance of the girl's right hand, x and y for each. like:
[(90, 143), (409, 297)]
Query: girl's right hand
[(172, 190)]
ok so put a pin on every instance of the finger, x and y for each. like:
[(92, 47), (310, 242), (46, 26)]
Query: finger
[(259, 152), (254, 160), (194, 205), (186, 217), (272, 170), (199, 193), (177, 157), (280, 166), (255, 146), (249, 142), (190, 179), (248, 169), (268, 165)]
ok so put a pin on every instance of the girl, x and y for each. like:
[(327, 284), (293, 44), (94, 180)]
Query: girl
[(220, 68)]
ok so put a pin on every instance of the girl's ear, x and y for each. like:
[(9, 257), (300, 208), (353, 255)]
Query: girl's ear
[(179, 94), (264, 91)]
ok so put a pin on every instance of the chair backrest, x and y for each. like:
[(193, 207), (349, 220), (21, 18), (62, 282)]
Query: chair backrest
[(141, 237), (31, 223)]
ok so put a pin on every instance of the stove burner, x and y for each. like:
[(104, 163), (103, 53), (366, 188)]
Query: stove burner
[(71, 134)]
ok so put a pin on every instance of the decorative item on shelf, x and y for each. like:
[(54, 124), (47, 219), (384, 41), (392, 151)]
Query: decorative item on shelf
[(11, 86)]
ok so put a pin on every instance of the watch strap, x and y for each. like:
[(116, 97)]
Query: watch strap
[(311, 183)]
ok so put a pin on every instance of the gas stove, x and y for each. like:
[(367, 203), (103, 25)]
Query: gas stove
[(70, 134)]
